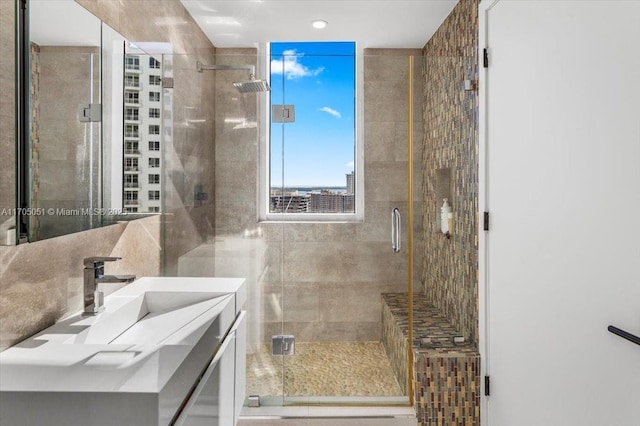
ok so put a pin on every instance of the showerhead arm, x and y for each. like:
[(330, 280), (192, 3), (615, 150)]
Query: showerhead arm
[(250, 86), (250, 68)]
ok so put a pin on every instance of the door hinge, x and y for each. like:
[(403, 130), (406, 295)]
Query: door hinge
[(485, 57), (487, 386), (283, 345), (90, 113), (283, 113), (485, 225)]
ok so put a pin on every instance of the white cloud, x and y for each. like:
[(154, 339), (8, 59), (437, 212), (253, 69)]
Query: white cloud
[(350, 164), (331, 111), (291, 68)]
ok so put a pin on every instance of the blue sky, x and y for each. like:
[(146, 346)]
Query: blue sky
[(319, 79)]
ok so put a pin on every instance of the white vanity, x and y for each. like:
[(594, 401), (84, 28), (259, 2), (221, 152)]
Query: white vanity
[(165, 351)]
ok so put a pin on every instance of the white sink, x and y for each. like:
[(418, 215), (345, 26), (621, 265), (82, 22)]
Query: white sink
[(149, 318), (145, 350)]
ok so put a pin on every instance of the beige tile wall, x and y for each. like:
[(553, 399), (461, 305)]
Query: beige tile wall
[(41, 282), (333, 273), (62, 146)]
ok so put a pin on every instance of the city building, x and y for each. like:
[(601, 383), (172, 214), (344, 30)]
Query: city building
[(288, 202), (142, 133)]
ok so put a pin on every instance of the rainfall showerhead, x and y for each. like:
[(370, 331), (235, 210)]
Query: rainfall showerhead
[(252, 86), (248, 86)]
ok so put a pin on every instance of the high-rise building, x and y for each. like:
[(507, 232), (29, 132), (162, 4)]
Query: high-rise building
[(351, 183), (142, 133)]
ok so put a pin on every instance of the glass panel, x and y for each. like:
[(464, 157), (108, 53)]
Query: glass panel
[(319, 281), (335, 274)]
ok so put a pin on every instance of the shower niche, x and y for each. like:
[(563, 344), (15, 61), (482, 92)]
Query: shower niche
[(443, 191)]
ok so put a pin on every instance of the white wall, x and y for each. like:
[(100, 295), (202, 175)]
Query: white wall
[(561, 158)]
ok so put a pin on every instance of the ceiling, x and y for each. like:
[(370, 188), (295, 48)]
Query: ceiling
[(370, 23), (49, 24)]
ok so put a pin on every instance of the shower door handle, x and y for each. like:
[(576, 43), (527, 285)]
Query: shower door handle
[(396, 230)]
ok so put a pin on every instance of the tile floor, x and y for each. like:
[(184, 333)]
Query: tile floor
[(323, 369)]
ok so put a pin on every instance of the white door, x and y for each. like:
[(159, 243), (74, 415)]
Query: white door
[(562, 257)]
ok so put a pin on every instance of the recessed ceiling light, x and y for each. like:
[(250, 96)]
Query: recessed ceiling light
[(319, 24)]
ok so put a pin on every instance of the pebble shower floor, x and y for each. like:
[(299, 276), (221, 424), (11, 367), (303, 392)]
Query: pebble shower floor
[(323, 369)]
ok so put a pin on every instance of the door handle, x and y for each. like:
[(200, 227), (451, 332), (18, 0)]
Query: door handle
[(624, 334), (396, 230)]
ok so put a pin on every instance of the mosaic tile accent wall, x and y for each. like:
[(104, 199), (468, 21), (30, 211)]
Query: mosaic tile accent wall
[(450, 168), (446, 378), (447, 389), (34, 172), (394, 339)]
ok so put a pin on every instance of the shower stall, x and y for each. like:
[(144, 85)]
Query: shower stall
[(315, 286)]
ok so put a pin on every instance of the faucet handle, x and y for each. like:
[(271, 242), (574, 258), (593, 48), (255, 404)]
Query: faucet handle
[(92, 262)]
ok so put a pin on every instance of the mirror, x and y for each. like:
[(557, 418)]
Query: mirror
[(85, 165), (65, 119)]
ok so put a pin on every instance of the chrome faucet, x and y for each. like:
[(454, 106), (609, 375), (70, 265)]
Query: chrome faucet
[(93, 275)]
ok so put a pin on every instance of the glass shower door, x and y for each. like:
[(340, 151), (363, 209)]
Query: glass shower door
[(336, 266)]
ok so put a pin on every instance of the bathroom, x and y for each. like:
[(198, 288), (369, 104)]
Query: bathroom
[(321, 282)]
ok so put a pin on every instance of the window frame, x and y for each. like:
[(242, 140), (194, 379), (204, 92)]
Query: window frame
[(264, 104)]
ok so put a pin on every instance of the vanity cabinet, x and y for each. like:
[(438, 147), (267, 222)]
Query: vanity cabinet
[(219, 395), (165, 351)]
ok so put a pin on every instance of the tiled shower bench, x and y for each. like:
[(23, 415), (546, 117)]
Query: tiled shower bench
[(446, 378)]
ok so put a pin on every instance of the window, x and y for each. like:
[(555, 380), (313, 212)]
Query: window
[(131, 181), (154, 96), (154, 145), (154, 80), (131, 131), (154, 112), (154, 129), (130, 164), (154, 162), (132, 63), (131, 97), (131, 148), (154, 63), (132, 81), (154, 195), (130, 196), (311, 168), (131, 114), (154, 209), (154, 179)]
